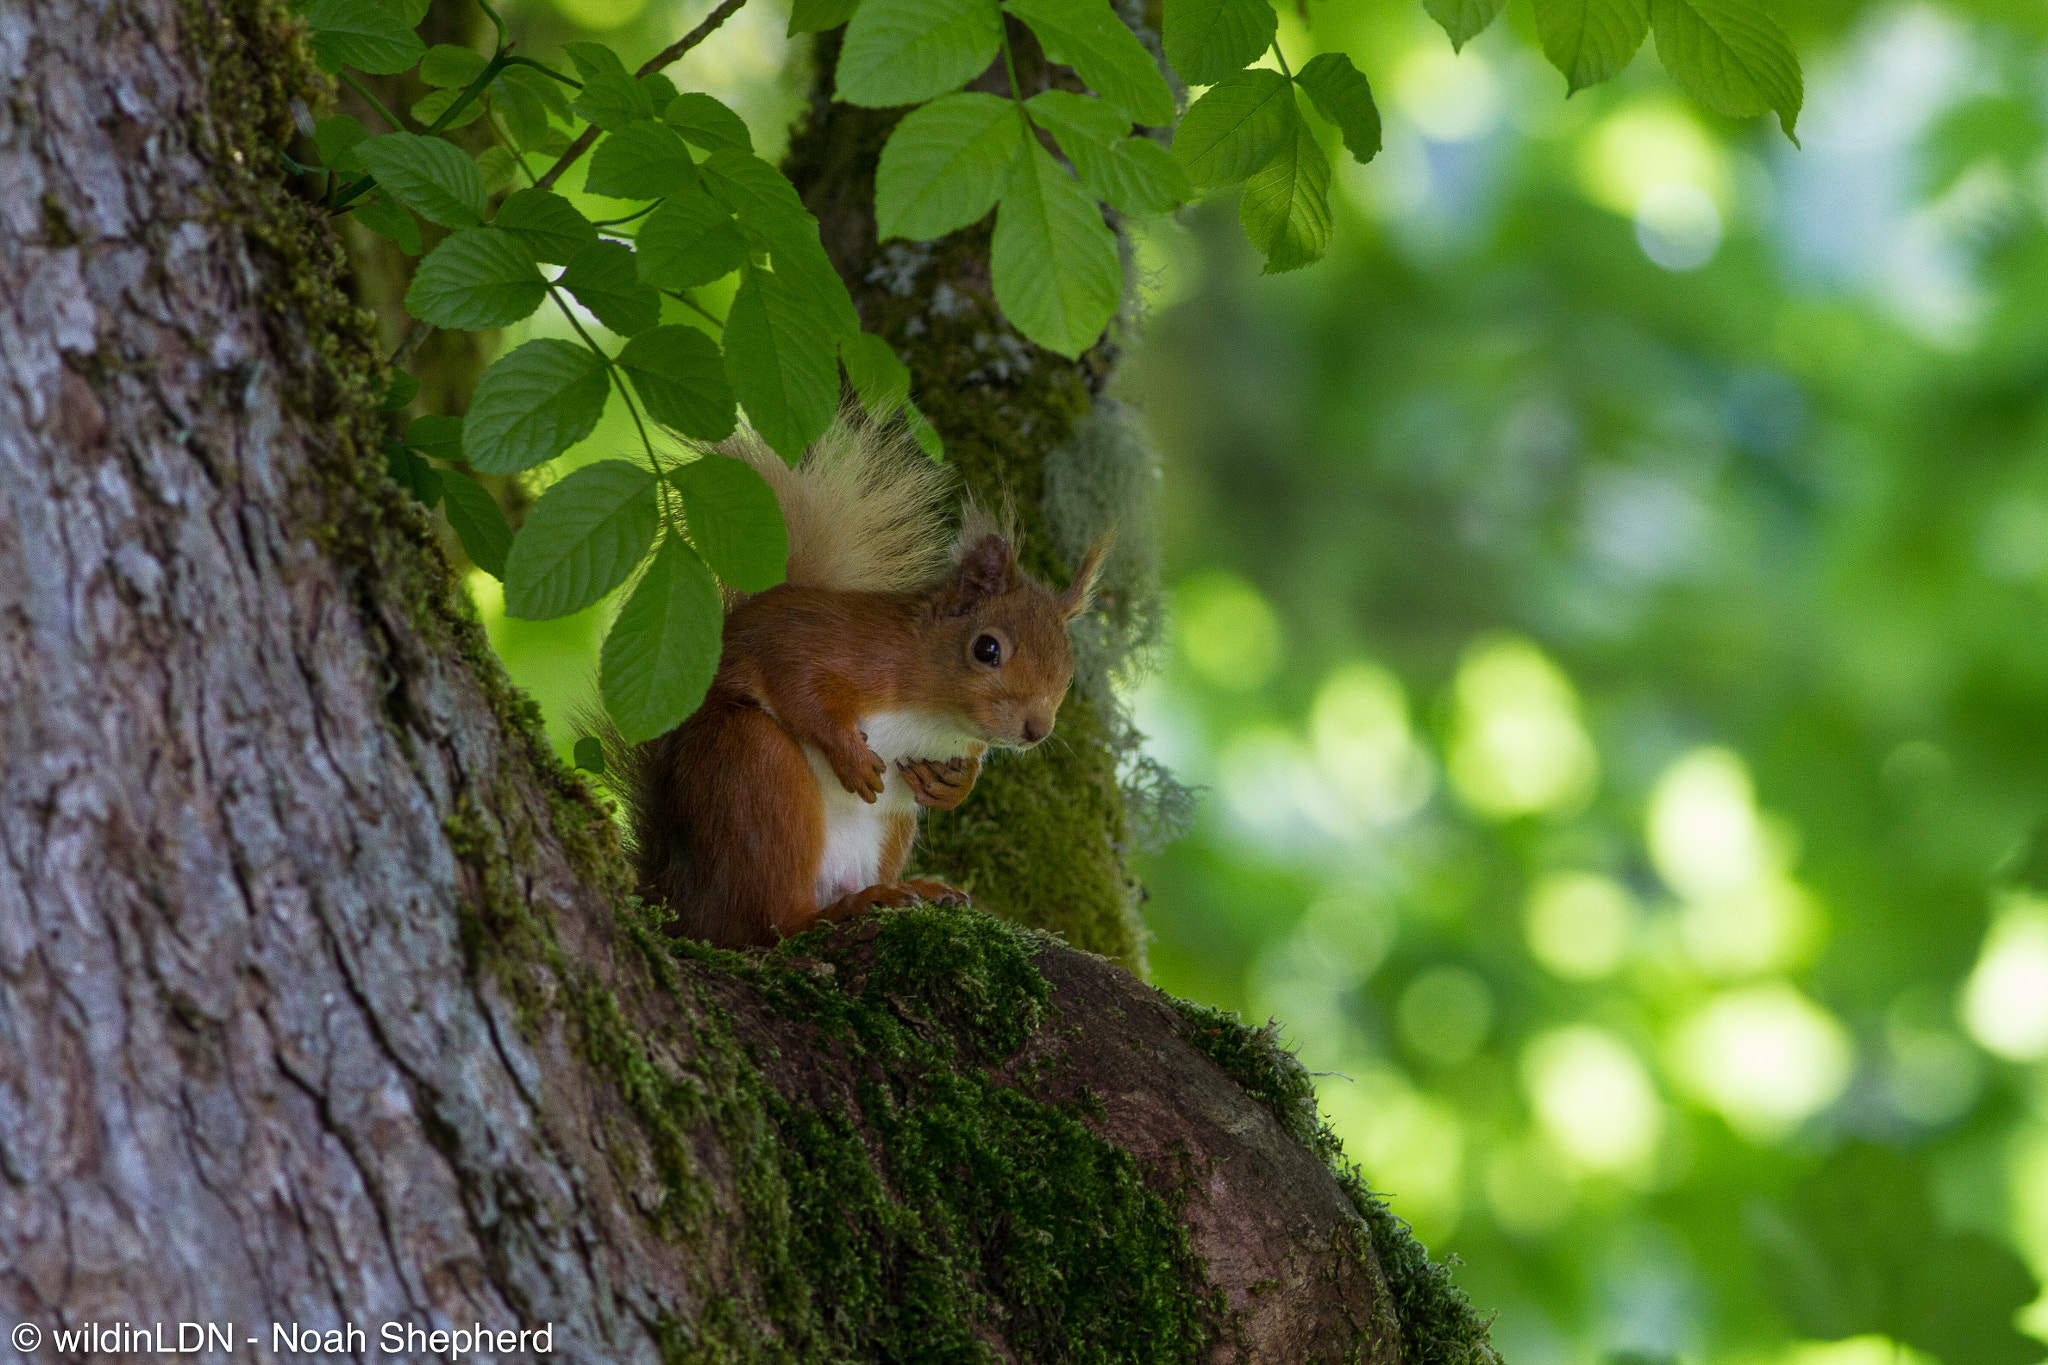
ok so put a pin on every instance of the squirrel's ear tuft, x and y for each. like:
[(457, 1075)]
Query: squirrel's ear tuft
[(987, 568), (1080, 593)]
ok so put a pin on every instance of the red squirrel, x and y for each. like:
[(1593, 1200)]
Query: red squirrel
[(867, 684)]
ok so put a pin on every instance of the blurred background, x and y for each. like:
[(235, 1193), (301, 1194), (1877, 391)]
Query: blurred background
[(1607, 629)]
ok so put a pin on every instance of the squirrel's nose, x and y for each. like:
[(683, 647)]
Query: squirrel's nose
[(1034, 730)]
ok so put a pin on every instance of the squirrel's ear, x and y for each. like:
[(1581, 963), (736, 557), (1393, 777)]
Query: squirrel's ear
[(987, 568), (1081, 592)]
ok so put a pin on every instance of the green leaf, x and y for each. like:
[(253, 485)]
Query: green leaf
[(662, 652), (1242, 123), (400, 392), (363, 34), (533, 404), (552, 95), (497, 166), (412, 473), (881, 381), (1286, 204), (661, 91), (1208, 40), (547, 223), (1341, 94), (688, 241), (815, 16), (945, 165), (381, 214), (610, 97), (1590, 40), (908, 51), (476, 280), (761, 195), (781, 358), (643, 160), (589, 754), (768, 204), (1053, 259), (1731, 56), (479, 523), (336, 138), (922, 431), (583, 538), (1087, 35), (1463, 20), (604, 279), (680, 377), (437, 103), (448, 67), (440, 437), (526, 118), (433, 177), (706, 123), (735, 522), (1134, 174)]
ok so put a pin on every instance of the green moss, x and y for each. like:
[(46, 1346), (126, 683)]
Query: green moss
[(1042, 840), (917, 1203), (1438, 1324)]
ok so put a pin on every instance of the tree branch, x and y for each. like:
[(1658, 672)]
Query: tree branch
[(667, 56)]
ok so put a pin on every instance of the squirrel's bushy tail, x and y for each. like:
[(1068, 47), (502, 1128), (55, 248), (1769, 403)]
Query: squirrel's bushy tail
[(866, 509)]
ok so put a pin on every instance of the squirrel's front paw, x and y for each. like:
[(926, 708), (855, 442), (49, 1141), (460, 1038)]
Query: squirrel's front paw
[(860, 770), (940, 786)]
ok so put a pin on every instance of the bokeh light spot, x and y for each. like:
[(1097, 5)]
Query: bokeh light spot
[(1360, 728), (1445, 1013), (1517, 747), (1594, 1098), (1678, 226), (2005, 1001), (1227, 632), (1705, 837), (1647, 145), (1451, 97), (1765, 1057), (1579, 924), (601, 14)]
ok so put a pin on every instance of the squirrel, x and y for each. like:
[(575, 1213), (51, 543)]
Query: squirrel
[(867, 684)]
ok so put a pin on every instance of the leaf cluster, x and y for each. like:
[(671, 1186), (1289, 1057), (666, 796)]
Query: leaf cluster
[(674, 528)]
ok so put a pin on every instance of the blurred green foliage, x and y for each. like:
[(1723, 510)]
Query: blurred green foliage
[(1611, 627)]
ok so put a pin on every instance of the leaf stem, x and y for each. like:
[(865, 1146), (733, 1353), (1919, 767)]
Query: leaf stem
[(471, 91), (617, 378), (663, 58), (544, 70), (637, 213), (688, 302), (1281, 58), (390, 119), (508, 142)]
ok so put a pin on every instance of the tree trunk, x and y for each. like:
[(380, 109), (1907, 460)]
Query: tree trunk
[(321, 1002)]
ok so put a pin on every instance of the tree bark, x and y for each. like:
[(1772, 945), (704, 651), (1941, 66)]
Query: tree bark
[(321, 1001)]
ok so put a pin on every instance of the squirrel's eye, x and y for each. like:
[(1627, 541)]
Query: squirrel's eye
[(988, 650)]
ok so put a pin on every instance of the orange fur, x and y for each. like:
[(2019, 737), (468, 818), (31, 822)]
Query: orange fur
[(731, 824)]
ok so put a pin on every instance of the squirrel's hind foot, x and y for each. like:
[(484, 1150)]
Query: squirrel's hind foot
[(893, 895)]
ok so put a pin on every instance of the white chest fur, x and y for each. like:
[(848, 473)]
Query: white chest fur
[(854, 830)]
